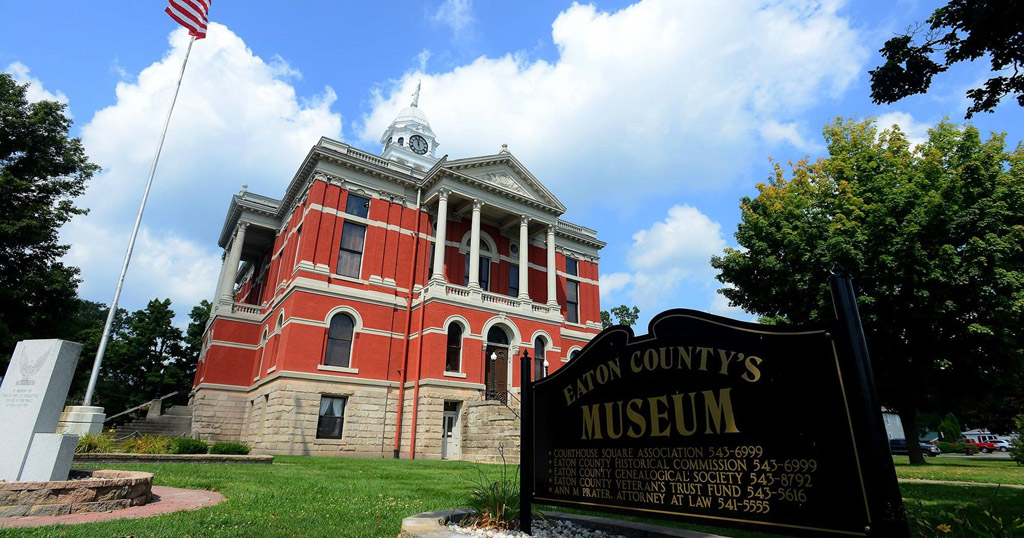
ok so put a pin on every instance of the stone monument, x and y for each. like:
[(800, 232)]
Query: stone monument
[(31, 399)]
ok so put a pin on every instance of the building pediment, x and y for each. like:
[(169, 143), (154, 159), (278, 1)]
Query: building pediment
[(503, 174)]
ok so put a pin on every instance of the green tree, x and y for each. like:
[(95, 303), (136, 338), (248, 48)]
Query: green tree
[(949, 428), (146, 358), (933, 237), (41, 170), (962, 30), (198, 318), (624, 315)]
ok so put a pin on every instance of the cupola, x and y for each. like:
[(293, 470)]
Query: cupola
[(409, 139)]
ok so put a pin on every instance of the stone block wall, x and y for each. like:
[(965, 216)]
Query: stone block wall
[(282, 418), (490, 429), (218, 415), (429, 419)]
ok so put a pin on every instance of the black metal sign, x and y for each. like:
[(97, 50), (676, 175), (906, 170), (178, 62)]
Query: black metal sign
[(717, 421)]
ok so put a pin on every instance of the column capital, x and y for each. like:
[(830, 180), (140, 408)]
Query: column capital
[(477, 204), (442, 194), (524, 220)]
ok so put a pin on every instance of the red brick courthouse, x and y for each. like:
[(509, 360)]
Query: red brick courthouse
[(341, 326)]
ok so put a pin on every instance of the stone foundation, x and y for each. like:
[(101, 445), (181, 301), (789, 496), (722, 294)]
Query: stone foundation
[(93, 491), (217, 415), (280, 416)]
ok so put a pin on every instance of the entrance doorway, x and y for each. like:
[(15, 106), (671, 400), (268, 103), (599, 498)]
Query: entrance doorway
[(496, 364), (451, 437)]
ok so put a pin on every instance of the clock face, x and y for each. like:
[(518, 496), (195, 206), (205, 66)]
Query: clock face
[(418, 144)]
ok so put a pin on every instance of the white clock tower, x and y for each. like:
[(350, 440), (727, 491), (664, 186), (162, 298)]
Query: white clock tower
[(409, 139)]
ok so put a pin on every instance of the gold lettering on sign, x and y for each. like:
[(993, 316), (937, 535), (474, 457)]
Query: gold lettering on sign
[(650, 417)]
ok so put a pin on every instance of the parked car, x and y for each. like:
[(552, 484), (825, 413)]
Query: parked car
[(899, 446), (1001, 445), (982, 446)]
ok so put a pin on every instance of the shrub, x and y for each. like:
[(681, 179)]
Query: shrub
[(229, 447), (946, 448), (495, 503), (1017, 446), (187, 445), (96, 442), (148, 444)]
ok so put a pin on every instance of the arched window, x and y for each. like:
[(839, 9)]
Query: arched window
[(400, 141), (339, 341), (539, 370), (453, 360), (280, 321), (573, 354), (497, 336)]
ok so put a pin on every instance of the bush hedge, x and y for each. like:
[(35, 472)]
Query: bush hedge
[(150, 444), (229, 447), (187, 445)]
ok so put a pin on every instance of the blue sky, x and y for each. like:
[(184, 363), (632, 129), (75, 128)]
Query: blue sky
[(649, 120)]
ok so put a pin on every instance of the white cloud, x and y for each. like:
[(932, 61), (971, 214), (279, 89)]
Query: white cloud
[(237, 120), (457, 14), (917, 133), (35, 91), (670, 254), (774, 132), (613, 282), (644, 92)]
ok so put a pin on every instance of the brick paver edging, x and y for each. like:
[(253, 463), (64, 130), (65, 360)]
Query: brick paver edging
[(435, 525), (116, 457), (164, 500), (86, 491)]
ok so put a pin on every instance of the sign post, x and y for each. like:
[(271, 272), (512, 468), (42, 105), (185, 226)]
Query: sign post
[(526, 462), (720, 422)]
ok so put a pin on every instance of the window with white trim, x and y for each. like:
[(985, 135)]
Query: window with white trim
[(350, 255), (331, 421), (572, 301), (453, 358), (338, 351)]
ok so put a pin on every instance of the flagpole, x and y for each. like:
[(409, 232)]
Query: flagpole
[(131, 243)]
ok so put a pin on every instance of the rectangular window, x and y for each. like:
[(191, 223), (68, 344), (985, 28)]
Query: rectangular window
[(485, 274), (572, 267), (513, 281), (572, 301), (332, 417), (357, 205), (351, 253)]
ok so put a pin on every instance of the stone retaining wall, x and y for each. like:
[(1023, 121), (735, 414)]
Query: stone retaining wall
[(87, 491)]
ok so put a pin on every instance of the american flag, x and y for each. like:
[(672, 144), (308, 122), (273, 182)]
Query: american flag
[(191, 14)]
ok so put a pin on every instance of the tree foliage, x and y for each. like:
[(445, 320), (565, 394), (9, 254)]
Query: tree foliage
[(962, 30), (933, 237), (41, 170), (146, 357), (949, 428), (624, 315)]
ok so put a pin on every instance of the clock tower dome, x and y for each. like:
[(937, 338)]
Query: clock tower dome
[(409, 139)]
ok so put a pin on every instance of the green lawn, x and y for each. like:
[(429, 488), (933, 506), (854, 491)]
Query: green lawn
[(965, 469), (308, 497)]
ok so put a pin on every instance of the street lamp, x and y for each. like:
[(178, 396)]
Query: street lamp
[(494, 357)]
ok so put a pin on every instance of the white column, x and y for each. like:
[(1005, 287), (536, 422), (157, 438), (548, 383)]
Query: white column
[(474, 247), (552, 298), (524, 258), (440, 236), (220, 280), (231, 270)]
